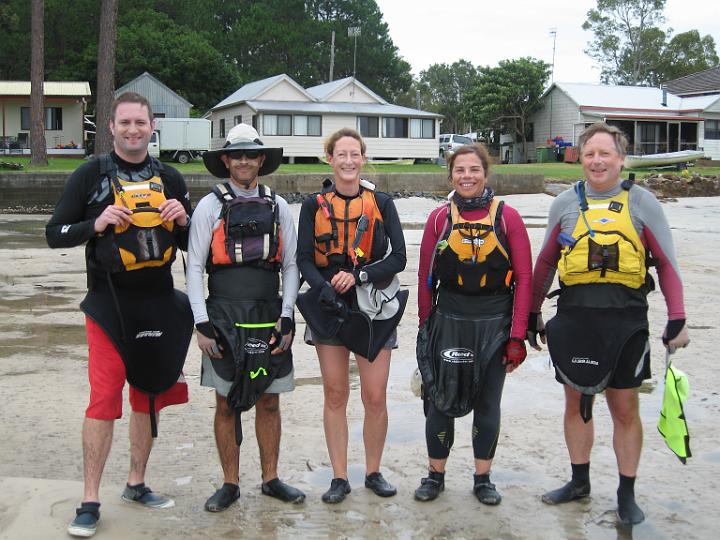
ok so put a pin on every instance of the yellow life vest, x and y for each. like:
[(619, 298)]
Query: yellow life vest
[(147, 240), (348, 230), (609, 251), (472, 258)]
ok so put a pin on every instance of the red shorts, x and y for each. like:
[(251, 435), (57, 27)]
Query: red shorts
[(106, 372)]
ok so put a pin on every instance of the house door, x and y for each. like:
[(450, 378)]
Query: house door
[(673, 136)]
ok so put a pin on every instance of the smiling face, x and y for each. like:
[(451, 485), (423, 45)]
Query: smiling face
[(601, 161), (346, 161), (243, 169), (468, 176), (131, 129)]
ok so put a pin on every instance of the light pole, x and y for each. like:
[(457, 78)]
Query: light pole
[(354, 32), (553, 33)]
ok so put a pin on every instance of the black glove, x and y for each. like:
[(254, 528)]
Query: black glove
[(672, 329), (532, 330), (328, 298), (206, 329), (283, 333)]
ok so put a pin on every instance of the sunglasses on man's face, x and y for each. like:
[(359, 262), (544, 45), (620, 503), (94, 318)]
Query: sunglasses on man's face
[(250, 154)]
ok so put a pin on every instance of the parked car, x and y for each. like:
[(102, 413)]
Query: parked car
[(449, 142)]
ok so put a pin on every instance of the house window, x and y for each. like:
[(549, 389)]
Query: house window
[(25, 118), (421, 128), (395, 128), (368, 126), (712, 129), (277, 124), (253, 122), (307, 125), (53, 118), (237, 120), (212, 129), (222, 127)]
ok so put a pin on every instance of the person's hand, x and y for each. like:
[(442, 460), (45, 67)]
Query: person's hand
[(207, 340), (676, 335), (173, 210), (343, 281), (282, 335), (112, 215), (514, 355), (535, 327)]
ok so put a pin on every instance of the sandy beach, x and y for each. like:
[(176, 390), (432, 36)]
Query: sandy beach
[(44, 389)]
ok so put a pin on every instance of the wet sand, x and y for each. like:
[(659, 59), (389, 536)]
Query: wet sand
[(43, 383)]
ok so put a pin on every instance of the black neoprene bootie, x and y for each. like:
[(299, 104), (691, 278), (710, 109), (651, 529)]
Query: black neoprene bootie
[(571, 491), (485, 490), (577, 488), (629, 513), (430, 487)]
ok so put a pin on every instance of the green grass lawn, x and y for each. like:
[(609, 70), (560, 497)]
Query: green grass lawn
[(553, 172)]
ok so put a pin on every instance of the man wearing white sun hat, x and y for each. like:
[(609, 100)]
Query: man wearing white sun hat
[(244, 236)]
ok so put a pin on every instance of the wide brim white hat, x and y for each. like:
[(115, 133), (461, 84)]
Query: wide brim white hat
[(242, 137)]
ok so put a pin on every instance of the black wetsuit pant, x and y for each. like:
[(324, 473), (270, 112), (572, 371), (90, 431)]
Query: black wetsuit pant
[(440, 428)]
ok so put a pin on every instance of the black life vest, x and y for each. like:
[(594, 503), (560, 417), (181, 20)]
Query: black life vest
[(249, 231)]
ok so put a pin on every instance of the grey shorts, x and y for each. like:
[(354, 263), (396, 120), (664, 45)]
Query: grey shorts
[(310, 339), (210, 379)]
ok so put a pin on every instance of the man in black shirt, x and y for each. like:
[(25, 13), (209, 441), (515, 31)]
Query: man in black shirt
[(132, 212)]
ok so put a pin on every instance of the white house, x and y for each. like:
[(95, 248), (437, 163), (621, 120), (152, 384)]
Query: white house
[(653, 119), (64, 113), (299, 119)]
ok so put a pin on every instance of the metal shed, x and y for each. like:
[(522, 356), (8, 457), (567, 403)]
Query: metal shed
[(164, 101)]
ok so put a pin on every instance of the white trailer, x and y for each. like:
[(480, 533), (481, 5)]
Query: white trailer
[(180, 139)]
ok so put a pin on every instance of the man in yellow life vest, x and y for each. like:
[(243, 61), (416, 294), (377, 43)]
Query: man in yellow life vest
[(132, 212), (602, 236)]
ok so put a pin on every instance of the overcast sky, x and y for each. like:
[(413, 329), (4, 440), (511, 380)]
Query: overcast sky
[(485, 32)]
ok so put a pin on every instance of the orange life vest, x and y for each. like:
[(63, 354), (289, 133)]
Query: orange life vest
[(348, 232)]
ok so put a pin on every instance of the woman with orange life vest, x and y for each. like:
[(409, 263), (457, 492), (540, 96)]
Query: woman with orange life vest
[(474, 284), (341, 230)]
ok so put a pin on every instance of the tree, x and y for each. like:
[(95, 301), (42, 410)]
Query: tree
[(625, 38), (105, 75), (38, 146), (684, 54), (506, 96), (447, 85)]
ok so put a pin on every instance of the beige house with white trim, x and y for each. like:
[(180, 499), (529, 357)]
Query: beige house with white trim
[(299, 119), (64, 114)]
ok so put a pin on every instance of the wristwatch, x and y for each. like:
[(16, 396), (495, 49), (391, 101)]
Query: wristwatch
[(363, 276)]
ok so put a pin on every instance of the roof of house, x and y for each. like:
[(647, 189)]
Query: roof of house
[(702, 82), (642, 98), (325, 91), (386, 109), (255, 89), (316, 103), (155, 80), (52, 88)]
